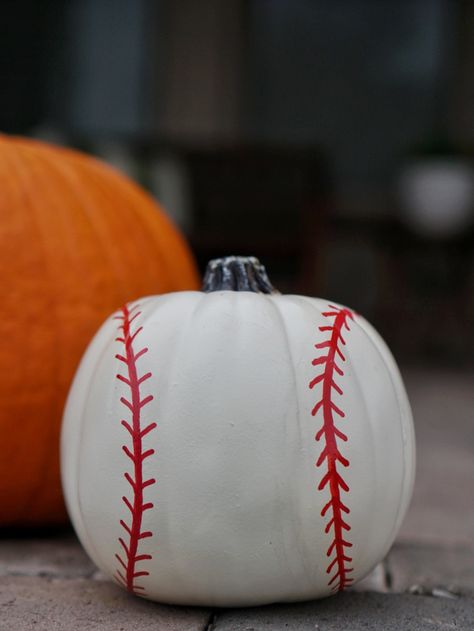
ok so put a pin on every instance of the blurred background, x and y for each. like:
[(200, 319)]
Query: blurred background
[(333, 139)]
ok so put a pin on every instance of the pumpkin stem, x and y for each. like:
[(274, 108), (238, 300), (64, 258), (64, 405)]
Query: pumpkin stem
[(237, 273)]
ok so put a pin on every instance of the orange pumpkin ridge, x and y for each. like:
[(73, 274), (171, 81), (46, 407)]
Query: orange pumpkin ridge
[(77, 240)]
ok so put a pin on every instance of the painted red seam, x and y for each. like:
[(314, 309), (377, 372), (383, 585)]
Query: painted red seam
[(340, 563), (128, 556)]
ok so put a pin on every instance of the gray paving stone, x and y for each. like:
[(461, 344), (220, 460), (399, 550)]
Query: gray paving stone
[(60, 556), (442, 509), (30, 603), (376, 581), (355, 612), (426, 567)]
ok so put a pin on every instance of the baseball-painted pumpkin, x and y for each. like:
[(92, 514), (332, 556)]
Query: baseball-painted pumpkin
[(76, 240), (237, 446)]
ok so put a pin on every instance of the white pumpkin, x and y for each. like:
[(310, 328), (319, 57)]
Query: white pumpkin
[(237, 446)]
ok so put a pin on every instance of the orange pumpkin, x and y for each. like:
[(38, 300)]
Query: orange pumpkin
[(77, 240)]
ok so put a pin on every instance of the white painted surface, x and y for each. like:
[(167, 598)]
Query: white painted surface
[(236, 517)]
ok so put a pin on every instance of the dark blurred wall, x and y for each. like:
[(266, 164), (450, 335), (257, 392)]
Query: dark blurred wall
[(365, 78), (30, 38), (108, 86), (203, 84), (462, 84), (146, 68)]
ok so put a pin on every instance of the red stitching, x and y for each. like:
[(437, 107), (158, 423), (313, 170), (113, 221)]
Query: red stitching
[(128, 557), (330, 451)]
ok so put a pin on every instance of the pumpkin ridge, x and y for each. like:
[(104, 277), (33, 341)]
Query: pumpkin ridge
[(21, 162), (331, 354), (69, 174), (107, 190), (77, 241), (129, 555)]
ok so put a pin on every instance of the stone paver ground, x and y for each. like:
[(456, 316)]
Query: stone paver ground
[(426, 581)]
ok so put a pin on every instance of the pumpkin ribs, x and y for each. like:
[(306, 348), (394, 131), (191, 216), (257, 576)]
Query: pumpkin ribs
[(129, 556), (339, 566)]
